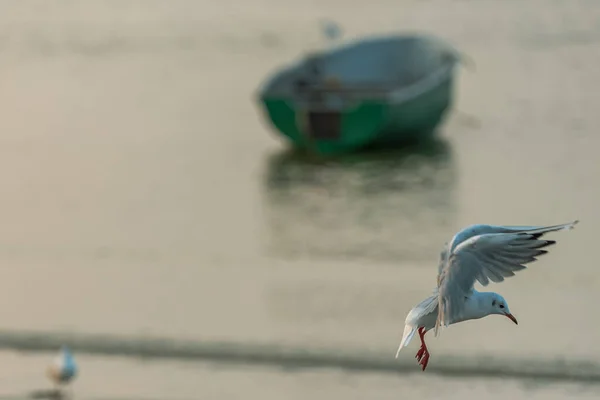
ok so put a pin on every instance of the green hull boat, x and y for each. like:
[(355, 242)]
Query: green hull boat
[(382, 91)]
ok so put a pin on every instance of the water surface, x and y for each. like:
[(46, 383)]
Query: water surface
[(144, 195)]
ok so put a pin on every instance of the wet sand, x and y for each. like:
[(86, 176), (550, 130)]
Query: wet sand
[(114, 378)]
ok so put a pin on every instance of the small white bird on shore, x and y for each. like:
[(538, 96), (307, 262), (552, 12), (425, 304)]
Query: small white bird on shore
[(480, 253), (63, 369)]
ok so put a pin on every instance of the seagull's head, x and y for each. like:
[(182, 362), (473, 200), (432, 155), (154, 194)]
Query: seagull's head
[(499, 306)]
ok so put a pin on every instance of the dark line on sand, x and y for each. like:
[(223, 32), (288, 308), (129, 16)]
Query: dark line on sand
[(555, 370)]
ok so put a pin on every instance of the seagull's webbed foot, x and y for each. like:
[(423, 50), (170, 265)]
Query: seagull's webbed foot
[(423, 353), (423, 357)]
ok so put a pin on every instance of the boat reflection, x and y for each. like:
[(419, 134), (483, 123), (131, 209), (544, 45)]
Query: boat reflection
[(378, 206)]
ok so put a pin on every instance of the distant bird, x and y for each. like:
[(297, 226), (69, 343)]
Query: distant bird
[(480, 253), (63, 369), (330, 29)]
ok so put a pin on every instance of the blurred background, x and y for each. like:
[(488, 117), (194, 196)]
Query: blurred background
[(153, 221)]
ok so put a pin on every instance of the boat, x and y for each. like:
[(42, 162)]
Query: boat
[(378, 91)]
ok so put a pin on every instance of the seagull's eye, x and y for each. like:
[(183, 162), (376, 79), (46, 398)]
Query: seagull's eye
[(501, 305)]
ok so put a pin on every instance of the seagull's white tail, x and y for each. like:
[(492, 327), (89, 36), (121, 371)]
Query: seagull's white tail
[(409, 332)]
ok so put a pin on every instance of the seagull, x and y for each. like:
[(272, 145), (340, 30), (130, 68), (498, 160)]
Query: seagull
[(480, 253), (63, 369), (330, 29)]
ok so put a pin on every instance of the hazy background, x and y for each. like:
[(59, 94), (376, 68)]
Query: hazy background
[(143, 195)]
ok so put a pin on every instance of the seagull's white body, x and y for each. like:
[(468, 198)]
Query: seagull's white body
[(63, 369), (480, 253)]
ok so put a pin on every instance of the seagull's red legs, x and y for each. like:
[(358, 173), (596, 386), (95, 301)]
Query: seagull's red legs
[(423, 354)]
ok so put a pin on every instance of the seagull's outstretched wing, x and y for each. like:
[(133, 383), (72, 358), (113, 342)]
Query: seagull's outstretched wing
[(485, 253)]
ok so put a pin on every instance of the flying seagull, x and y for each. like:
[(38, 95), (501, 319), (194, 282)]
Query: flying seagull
[(481, 253)]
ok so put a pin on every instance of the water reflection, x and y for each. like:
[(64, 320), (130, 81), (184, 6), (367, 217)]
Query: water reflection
[(380, 206)]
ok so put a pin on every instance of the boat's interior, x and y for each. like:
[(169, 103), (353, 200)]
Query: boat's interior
[(374, 64)]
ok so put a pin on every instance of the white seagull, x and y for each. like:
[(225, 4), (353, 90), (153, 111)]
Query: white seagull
[(480, 253), (63, 369)]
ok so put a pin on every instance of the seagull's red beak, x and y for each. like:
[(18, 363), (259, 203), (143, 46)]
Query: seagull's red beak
[(512, 318)]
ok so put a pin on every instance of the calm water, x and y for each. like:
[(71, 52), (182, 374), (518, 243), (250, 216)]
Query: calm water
[(144, 195)]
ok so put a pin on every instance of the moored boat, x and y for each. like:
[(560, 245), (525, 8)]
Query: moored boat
[(376, 91)]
